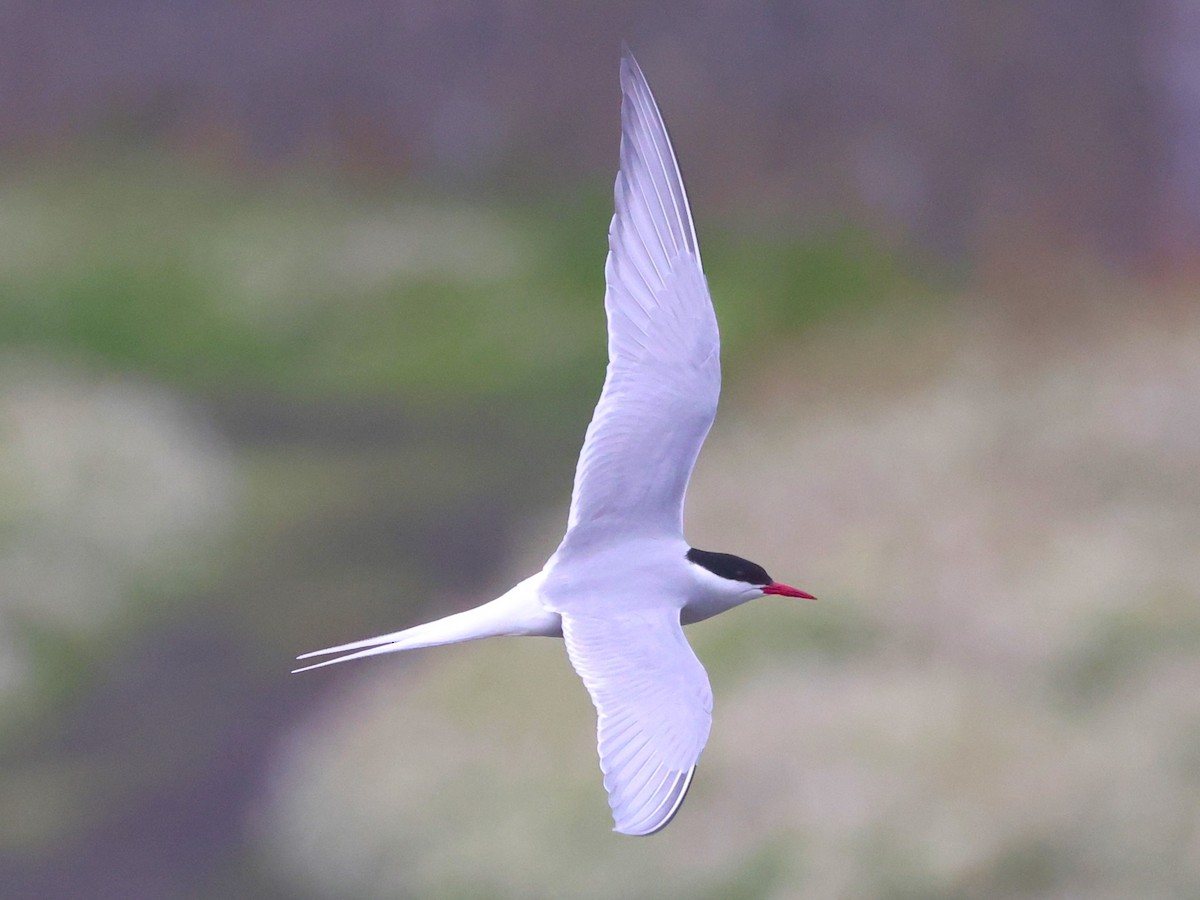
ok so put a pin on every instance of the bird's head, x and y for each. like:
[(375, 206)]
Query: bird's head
[(740, 575)]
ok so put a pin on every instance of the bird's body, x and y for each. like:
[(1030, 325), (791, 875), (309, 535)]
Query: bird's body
[(624, 581)]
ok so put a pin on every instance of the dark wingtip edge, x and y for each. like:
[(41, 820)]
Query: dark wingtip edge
[(683, 792)]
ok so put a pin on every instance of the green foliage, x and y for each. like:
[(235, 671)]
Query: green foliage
[(782, 283), (298, 286)]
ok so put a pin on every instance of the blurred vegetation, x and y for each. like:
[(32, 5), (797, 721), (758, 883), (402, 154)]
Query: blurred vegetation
[(378, 361), (268, 383), (303, 285), (245, 415)]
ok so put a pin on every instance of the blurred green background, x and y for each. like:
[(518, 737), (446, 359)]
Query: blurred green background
[(300, 328)]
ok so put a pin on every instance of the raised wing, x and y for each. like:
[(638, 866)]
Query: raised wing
[(664, 375), (654, 708)]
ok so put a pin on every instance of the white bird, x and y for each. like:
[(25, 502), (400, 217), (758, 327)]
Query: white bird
[(624, 581)]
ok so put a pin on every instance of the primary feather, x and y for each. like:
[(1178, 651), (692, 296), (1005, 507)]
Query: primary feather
[(664, 370), (653, 706)]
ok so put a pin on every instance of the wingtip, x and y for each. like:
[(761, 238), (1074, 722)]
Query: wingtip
[(654, 822), (630, 70)]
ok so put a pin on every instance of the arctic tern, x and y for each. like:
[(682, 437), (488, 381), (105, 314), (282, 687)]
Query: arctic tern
[(624, 581)]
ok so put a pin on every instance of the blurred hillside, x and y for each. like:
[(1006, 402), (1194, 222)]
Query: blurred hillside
[(960, 127), (301, 325), (995, 696)]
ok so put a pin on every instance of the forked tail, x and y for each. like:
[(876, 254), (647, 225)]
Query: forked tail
[(449, 630), (516, 612)]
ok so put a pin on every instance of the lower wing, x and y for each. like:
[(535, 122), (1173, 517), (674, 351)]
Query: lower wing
[(654, 708)]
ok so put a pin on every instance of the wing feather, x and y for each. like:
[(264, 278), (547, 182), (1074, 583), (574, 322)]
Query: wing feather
[(654, 709), (664, 377)]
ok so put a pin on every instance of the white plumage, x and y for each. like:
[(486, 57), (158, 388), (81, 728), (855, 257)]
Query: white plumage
[(623, 580)]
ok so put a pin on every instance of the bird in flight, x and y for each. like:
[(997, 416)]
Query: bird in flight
[(624, 582)]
